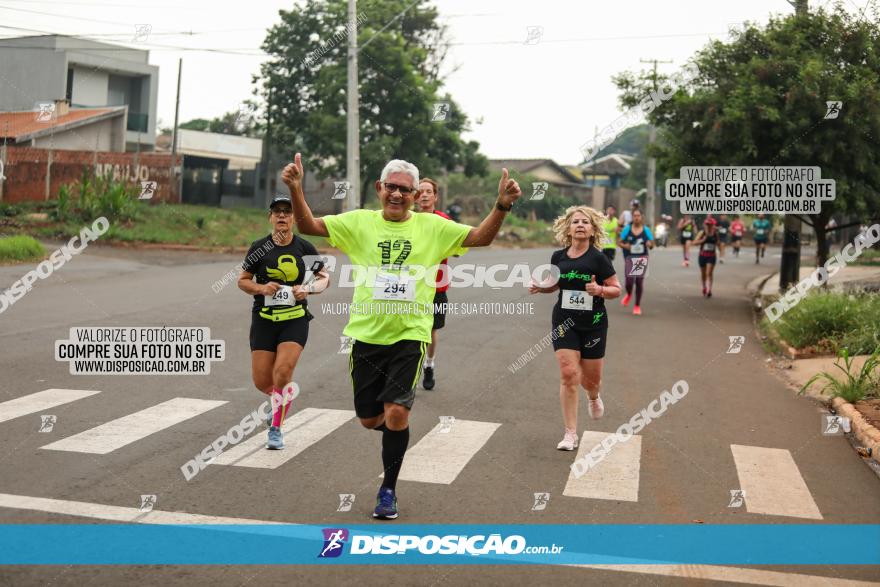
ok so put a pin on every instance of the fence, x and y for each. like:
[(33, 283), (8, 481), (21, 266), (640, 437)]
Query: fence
[(37, 174)]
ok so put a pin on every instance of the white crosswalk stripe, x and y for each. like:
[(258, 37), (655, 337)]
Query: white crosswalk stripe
[(440, 456), (40, 401), (772, 483), (615, 477), (113, 435), (301, 431)]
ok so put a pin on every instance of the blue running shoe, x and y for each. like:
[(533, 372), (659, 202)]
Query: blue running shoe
[(276, 438), (386, 504)]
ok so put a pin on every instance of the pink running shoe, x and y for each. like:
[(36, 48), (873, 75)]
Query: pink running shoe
[(569, 441), (625, 300)]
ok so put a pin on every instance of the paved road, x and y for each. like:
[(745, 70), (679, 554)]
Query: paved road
[(739, 427)]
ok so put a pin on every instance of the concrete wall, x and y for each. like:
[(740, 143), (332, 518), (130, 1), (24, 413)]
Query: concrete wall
[(31, 75), (106, 135), (38, 174)]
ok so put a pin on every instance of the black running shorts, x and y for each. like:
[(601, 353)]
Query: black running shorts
[(591, 343), (440, 301), (706, 260), (266, 335), (384, 373)]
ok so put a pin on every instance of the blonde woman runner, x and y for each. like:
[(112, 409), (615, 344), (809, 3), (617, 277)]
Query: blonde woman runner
[(580, 320)]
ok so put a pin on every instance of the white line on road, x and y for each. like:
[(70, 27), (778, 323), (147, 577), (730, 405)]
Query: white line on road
[(772, 483), (42, 400), (122, 431), (113, 513), (615, 477), (301, 430), (439, 457)]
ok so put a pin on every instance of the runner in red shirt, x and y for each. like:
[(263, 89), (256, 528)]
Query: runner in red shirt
[(737, 229), (426, 203)]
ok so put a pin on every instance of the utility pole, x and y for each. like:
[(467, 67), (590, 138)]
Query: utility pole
[(651, 179), (790, 263), (174, 137), (353, 142)]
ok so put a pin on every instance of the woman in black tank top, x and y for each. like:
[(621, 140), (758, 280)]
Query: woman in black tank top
[(707, 240)]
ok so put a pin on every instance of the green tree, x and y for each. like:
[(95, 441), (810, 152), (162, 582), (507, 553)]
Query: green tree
[(403, 46), (760, 99), (240, 123)]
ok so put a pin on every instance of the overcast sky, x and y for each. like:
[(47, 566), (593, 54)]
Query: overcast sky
[(538, 99)]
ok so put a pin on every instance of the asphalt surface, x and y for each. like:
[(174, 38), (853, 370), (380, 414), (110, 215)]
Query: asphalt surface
[(686, 471)]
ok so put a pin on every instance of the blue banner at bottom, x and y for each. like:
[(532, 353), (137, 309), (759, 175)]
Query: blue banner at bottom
[(287, 544)]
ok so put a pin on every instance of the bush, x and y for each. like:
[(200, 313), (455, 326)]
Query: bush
[(20, 248), (96, 197), (833, 321), (852, 386)]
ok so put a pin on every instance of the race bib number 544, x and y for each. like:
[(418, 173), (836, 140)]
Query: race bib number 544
[(573, 299)]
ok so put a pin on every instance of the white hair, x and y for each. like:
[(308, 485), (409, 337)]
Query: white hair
[(401, 166)]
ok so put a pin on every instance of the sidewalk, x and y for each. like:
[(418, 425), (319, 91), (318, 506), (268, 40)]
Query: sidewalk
[(849, 277)]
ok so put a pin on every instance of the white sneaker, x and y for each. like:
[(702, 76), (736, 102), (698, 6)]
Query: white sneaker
[(569, 441), (597, 408)]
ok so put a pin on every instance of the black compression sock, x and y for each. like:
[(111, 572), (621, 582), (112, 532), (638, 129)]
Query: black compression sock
[(381, 427), (394, 443)]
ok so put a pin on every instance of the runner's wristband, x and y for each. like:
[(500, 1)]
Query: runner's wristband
[(502, 208)]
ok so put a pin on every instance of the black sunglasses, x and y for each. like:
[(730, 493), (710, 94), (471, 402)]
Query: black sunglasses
[(393, 187)]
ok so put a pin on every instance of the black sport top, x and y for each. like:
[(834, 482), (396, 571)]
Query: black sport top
[(575, 274), (282, 264)]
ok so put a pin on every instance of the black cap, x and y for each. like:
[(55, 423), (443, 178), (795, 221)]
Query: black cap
[(280, 200)]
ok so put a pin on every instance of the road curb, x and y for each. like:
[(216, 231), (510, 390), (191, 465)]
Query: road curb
[(867, 434)]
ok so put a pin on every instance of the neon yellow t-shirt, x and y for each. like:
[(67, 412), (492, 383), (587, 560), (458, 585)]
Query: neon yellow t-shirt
[(610, 227), (391, 301)]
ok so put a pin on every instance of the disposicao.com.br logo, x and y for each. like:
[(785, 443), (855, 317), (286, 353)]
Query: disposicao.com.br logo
[(454, 544)]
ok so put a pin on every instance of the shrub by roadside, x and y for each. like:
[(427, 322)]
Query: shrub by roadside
[(828, 322), (20, 248)]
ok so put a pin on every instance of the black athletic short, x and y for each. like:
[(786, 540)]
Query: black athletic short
[(384, 373), (591, 343), (266, 335), (736, 239), (702, 260), (610, 253), (440, 310)]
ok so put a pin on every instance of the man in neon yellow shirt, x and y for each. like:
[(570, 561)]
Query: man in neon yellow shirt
[(395, 253), (611, 227)]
